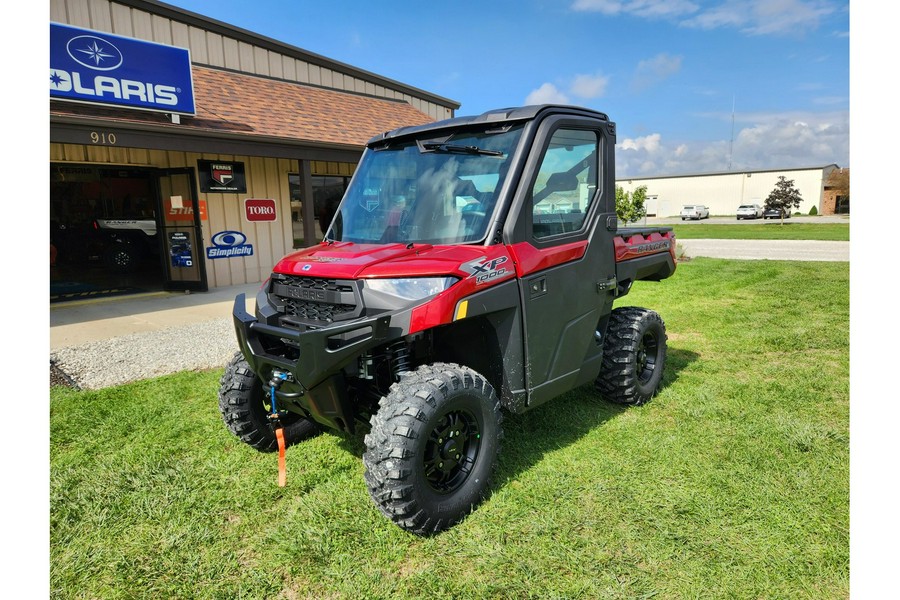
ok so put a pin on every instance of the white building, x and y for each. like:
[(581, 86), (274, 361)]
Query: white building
[(724, 192)]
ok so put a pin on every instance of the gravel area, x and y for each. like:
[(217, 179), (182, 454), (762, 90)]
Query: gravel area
[(96, 365)]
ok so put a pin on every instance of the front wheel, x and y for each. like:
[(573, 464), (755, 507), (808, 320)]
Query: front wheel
[(244, 407), (634, 355), (433, 447)]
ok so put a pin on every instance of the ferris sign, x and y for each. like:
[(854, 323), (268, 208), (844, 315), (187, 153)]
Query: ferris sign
[(259, 209)]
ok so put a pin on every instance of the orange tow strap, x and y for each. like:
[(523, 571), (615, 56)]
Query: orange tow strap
[(282, 466)]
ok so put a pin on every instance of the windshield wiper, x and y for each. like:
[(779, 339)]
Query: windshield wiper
[(444, 147)]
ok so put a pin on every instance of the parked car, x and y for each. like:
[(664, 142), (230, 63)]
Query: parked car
[(127, 241), (749, 211), (695, 211), (776, 213)]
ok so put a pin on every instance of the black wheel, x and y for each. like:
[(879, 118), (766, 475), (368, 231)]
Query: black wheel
[(244, 406), (433, 447), (634, 355), (120, 257)]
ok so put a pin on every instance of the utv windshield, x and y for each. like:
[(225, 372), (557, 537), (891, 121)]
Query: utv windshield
[(436, 190)]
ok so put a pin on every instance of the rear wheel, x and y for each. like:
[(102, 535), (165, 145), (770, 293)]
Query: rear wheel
[(634, 355), (244, 409), (433, 447)]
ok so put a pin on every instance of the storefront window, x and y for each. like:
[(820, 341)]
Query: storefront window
[(296, 191), (327, 193)]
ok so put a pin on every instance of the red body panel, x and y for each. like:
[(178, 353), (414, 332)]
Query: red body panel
[(636, 245), (530, 259)]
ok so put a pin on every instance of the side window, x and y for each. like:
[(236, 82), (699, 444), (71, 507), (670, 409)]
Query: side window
[(566, 183)]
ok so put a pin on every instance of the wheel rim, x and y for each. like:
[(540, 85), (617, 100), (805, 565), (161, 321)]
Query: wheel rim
[(646, 356), (121, 258), (451, 451)]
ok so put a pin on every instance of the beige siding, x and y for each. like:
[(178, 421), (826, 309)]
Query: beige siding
[(58, 12), (198, 48), (121, 20), (266, 178), (142, 25), (101, 17), (215, 49), (162, 30), (232, 53)]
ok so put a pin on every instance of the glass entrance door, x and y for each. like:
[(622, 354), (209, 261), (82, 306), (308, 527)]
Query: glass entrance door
[(182, 239)]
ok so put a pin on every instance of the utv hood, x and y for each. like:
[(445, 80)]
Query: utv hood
[(348, 260)]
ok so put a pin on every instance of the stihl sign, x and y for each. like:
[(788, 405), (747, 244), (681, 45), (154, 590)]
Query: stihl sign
[(259, 209), (183, 210)]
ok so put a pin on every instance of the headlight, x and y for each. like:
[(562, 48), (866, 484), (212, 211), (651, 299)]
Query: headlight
[(411, 289)]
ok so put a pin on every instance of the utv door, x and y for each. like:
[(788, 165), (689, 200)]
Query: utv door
[(565, 220)]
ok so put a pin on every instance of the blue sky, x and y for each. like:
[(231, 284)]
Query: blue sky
[(666, 71)]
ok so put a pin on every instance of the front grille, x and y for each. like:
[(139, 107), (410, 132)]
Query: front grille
[(315, 311), (314, 301)]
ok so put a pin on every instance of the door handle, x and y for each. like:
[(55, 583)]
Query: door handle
[(537, 287)]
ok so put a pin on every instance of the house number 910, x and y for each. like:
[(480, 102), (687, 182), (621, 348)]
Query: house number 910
[(103, 138)]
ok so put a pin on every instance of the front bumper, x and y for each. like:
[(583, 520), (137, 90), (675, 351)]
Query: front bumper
[(313, 358)]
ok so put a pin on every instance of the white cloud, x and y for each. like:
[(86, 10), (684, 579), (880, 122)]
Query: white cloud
[(648, 143), (761, 17), (589, 86), (546, 94), (754, 17), (770, 141), (640, 8), (652, 71), (586, 87)]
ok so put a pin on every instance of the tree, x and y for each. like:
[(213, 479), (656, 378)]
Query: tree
[(630, 205), (784, 197)]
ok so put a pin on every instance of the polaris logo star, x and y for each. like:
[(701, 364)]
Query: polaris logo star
[(94, 53)]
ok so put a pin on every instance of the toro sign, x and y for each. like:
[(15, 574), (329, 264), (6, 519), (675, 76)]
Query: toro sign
[(259, 209)]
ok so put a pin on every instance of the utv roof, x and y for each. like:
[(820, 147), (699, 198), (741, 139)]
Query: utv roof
[(496, 116)]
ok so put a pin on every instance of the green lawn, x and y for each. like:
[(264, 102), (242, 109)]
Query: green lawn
[(732, 483), (768, 230)]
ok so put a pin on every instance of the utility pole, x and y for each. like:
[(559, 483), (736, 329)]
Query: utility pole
[(731, 143)]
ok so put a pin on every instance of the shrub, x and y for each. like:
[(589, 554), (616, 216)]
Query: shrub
[(813, 211)]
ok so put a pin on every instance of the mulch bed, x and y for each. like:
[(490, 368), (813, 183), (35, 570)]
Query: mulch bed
[(58, 377)]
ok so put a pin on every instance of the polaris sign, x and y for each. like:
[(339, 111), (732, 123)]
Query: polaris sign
[(97, 67)]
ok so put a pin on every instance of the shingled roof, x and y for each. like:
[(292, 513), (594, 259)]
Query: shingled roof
[(258, 107)]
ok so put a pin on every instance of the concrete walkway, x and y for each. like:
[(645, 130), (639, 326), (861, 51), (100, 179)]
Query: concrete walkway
[(80, 322)]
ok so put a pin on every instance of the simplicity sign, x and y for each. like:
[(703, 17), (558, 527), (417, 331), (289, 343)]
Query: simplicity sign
[(101, 68)]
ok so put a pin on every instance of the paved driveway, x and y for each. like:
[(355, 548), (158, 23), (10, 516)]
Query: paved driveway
[(733, 220), (760, 249), (768, 249)]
